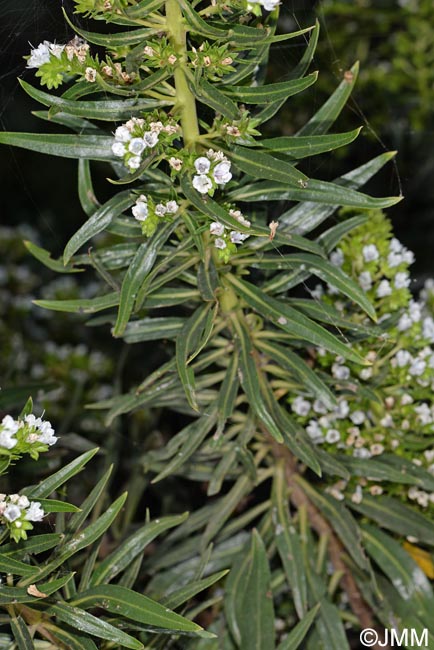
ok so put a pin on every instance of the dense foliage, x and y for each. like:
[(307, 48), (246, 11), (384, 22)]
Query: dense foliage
[(275, 396)]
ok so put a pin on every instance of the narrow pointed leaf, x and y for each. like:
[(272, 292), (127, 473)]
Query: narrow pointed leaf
[(81, 305), (298, 147), (94, 147), (270, 92), (299, 632), (45, 258), (46, 487)]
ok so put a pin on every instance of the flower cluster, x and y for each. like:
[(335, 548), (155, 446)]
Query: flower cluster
[(386, 407), (214, 61), (212, 170), (148, 214), (17, 513), (54, 61), (225, 239), (27, 435), (139, 137)]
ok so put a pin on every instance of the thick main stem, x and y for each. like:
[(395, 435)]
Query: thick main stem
[(185, 100)]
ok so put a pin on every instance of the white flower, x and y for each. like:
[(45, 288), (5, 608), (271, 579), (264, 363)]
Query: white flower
[(150, 138), (384, 289), (34, 512), (365, 373), (202, 184), (408, 257), (160, 210), (404, 323), (342, 409), (314, 431), (361, 453), (136, 146), (357, 497), (217, 228), (240, 217), (90, 74), (122, 134), (301, 406), (337, 257), (39, 55), (134, 162), (238, 237), (340, 372), (406, 399), (394, 259), (10, 424), (172, 207), (402, 358), (402, 280), (7, 440), (317, 292), (424, 414), (319, 407), (118, 149), (12, 512), (202, 165), (47, 436), (376, 449), (365, 280), (23, 502), (332, 436), (428, 328), (370, 253), (221, 172), (415, 311), (156, 126), (220, 243), (140, 210), (56, 50), (357, 417), (417, 367)]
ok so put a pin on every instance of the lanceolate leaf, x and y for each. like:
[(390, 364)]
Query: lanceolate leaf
[(98, 222), (249, 604), (270, 92), (140, 267), (132, 605), (54, 481), (298, 633), (81, 305), (94, 147), (211, 96), (298, 147), (262, 165), (21, 633), (290, 320), (288, 544), (324, 118), (45, 258), (107, 110), (89, 624)]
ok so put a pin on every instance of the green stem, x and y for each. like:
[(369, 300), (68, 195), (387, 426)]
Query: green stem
[(185, 98)]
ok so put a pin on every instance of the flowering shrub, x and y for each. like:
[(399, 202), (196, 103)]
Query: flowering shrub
[(280, 402)]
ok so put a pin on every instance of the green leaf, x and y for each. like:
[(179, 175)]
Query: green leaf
[(33, 545), (340, 519), (153, 329), (392, 514), (323, 119), (70, 638), (298, 633), (197, 25), (52, 505), (249, 602), (189, 340), (134, 606), (131, 547), (196, 433), (89, 624), (119, 39), (262, 165), (228, 393), (270, 92), (21, 633), (94, 147), (46, 487), (12, 595), (78, 519), (107, 110), (135, 276), (249, 373), (100, 219), (183, 594), (16, 567), (296, 365), (86, 194), (290, 320), (45, 257), (298, 147), (388, 467), (81, 305), (244, 36), (209, 95), (403, 572), (325, 271), (288, 544), (330, 628)]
